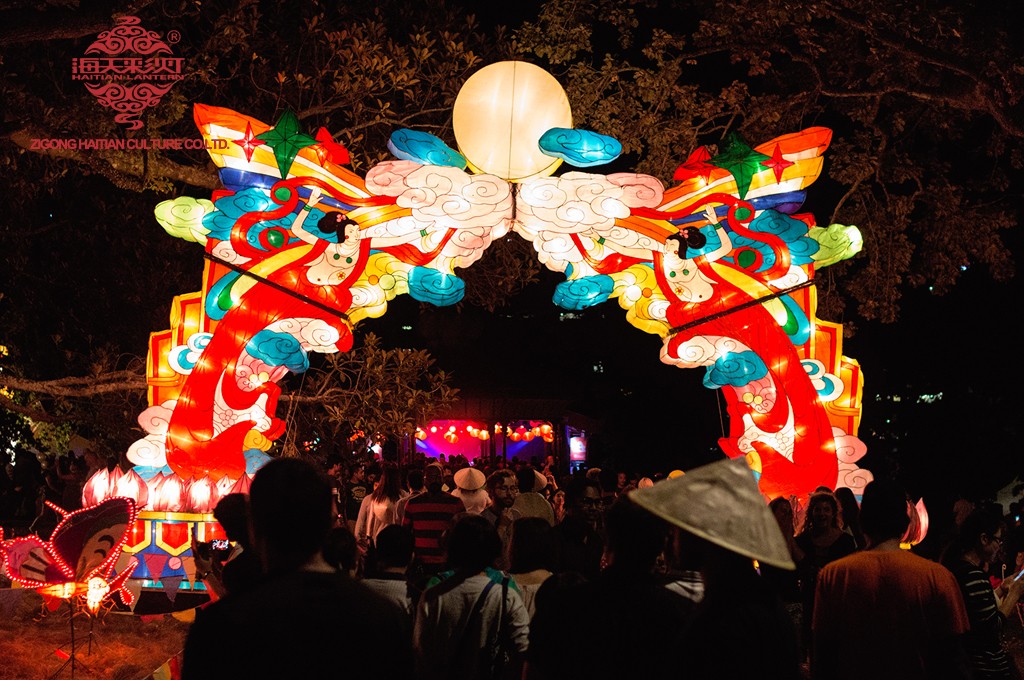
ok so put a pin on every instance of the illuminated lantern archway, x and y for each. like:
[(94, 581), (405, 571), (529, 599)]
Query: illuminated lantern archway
[(299, 249)]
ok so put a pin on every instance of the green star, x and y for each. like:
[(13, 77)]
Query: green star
[(740, 160), (286, 141)]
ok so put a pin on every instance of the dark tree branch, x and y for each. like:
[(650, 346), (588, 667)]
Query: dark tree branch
[(85, 386), (22, 26), (35, 414), (124, 164)]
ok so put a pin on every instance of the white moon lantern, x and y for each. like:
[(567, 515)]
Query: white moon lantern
[(501, 113)]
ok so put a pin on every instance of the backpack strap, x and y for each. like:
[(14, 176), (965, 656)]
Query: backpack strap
[(461, 636)]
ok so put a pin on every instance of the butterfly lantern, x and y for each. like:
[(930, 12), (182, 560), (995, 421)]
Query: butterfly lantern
[(78, 561)]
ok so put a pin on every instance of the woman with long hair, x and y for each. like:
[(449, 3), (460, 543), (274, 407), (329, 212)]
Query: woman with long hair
[(979, 545), (821, 541), (849, 510), (380, 508)]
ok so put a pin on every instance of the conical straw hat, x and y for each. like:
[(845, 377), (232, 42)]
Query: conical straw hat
[(720, 503), (532, 504), (469, 479)]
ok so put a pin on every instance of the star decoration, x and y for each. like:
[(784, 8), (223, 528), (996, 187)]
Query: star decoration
[(329, 150), (696, 164), (741, 161), (286, 141), (777, 163), (248, 143)]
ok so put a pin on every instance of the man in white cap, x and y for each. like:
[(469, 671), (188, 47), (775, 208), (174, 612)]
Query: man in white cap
[(469, 488), (741, 628)]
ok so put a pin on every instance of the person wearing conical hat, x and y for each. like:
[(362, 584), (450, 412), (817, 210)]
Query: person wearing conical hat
[(469, 488), (529, 502), (741, 628)]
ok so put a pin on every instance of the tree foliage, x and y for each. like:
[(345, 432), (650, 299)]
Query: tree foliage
[(382, 393), (925, 99)]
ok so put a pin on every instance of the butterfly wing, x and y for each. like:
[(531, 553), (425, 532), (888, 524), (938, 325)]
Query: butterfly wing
[(32, 562), (90, 539)]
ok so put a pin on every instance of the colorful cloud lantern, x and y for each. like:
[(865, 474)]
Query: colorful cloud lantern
[(299, 249)]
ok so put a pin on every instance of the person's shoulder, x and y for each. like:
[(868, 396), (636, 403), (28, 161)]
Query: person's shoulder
[(806, 543), (846, 542), (502, 578), (855, 560), (439, 499), (937, 572), (963, 571)]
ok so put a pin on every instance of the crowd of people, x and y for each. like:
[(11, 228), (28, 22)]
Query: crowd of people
[(500, 569), (26, 485), (512, 569)]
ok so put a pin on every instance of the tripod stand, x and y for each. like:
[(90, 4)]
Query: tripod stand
[(72, 657)]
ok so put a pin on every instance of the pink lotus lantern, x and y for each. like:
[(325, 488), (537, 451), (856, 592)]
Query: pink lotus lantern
[(918, 527), (242, 485), (170, 495), (96, 488), (131, 485), (113, 477), (153, 484), (224, 485), (202, 495)]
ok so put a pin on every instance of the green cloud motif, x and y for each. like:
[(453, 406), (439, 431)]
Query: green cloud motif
[(183, 218), (837, 242)]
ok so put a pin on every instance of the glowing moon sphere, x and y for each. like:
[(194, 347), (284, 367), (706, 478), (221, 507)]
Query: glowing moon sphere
[(501, 113)]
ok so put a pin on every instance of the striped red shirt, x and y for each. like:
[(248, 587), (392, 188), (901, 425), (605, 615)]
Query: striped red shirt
[(429, 515)]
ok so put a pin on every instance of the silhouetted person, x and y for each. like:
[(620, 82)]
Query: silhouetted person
[(623, 624), (428, 516), (341, 551), (293, 623), (533, 556), (393, 558), (581, 532), (503, 488), (978, 546), (740, 628), (472, 623), (239, 568), (885, 612), (415, 485)]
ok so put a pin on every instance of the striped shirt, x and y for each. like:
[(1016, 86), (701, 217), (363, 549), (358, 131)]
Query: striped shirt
[(428, 516), (983, 641)]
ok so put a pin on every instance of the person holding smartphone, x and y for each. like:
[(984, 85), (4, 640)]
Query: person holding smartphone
[(978, 547), (230, 565)]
